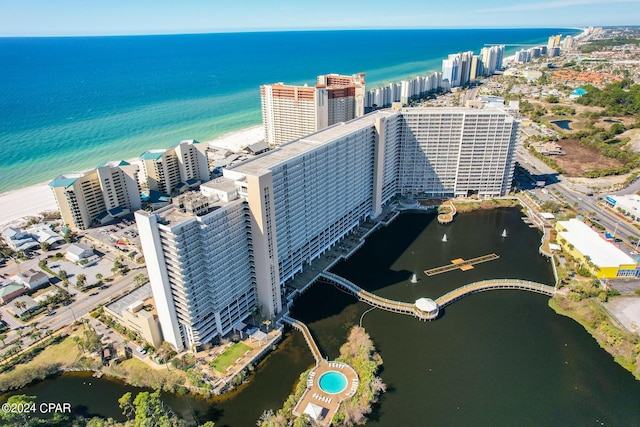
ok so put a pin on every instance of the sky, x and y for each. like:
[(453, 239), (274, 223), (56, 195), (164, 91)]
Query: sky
[(117, 17)]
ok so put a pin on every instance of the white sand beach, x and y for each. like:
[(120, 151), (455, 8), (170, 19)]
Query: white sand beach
[(25, 202), (16, 205), (235, 141)]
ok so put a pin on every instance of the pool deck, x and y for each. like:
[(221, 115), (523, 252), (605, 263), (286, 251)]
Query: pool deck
[(327, 401)]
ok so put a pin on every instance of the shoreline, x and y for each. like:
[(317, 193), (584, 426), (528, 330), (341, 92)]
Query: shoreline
[(22, 203)]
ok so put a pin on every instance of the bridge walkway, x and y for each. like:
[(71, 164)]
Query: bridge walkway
[(376, 301), (307, 336), (487, 285)]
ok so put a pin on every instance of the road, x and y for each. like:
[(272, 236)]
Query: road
[(66, 315), (584, 204)]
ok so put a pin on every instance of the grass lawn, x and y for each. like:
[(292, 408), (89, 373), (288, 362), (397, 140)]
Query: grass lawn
[(228, 358), (65, 353)]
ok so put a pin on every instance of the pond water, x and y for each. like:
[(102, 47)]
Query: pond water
[(499, 358), (563, 124)]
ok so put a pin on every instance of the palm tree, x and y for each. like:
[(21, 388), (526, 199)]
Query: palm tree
[(140, 279), (2, 338), (81, 280)]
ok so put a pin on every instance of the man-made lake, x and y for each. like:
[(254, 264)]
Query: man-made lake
[(563, 124), (498, 358)]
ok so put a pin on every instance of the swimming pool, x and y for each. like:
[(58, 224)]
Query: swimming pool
[(332, 382)]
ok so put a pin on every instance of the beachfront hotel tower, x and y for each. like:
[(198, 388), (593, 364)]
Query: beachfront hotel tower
[(288, 206), (175, 169), (289, 112), (97, 196), (199, 257)]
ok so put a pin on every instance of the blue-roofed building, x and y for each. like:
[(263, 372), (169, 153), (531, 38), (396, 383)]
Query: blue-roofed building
[(577, 93), (83, 198)]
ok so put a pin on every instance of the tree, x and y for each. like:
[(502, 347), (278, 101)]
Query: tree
[(35, 335), (140, 279), (99, 278), (147, 409), (63, 274), (69, 236), (45, 246), (18, 418), (81, 281), (2, 338)]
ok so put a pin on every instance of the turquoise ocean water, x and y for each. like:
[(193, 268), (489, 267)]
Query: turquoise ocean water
[(71, 103)]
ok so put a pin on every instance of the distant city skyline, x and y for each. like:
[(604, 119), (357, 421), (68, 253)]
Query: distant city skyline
[(122, 17)]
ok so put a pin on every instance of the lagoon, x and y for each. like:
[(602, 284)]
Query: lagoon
[(493, 358)]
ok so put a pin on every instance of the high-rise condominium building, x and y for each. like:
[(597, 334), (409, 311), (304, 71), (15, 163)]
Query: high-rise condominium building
[(554, 41), (201, 268), (98, 195), (175, 169), (272, 215), (289, 112), (492, 58)]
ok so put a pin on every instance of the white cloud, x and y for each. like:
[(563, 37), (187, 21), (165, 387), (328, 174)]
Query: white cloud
[(552, 5)]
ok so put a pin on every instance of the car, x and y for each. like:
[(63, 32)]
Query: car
[(141, 350)]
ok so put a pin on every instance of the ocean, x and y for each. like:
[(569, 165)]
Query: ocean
[(70, 103)]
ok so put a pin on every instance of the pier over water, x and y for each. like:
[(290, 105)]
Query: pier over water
[(433, 307)]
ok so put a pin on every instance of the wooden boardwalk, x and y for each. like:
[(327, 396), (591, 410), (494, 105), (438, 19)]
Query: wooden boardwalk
[(307, 336), (488, 285), (376, 301), (444, 300), (460, 264)]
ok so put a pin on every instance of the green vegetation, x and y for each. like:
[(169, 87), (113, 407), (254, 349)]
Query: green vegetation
[(547, 160), (46, 358), (139, 374), (228, 358), (619, 98), (462, 207), (148, 410), (361, 355), (592, 315), (560, 110), (595, 45)]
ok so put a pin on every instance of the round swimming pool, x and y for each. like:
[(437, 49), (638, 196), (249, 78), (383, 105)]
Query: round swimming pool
[(332, 382)]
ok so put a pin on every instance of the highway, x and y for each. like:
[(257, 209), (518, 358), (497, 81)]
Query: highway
[(585, 205)]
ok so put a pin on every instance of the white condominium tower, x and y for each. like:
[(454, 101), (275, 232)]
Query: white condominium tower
[(175, 169), (301, 198), (98, 195), (199, 258), (289, 112), (456, 152)]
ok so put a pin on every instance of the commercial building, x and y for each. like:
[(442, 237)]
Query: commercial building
[(135, 311), (213, 256), (628, 205), (97, 196), (602, 258), (289, 112), (175, 169)]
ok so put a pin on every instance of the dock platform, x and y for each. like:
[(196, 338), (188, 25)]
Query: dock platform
[(461, 264)]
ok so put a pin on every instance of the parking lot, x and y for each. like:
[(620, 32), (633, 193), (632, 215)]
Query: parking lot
[(121, 237)]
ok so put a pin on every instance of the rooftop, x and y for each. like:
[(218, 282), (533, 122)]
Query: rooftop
[(152, 154), (589, 243), (121, 304), (65, 180), (307, 143)]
